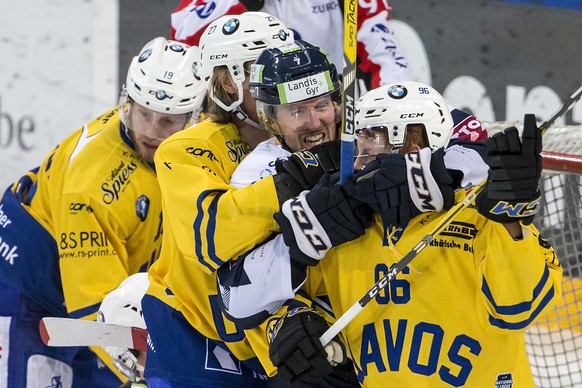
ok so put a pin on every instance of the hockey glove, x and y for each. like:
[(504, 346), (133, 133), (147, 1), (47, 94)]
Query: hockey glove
[(322, 218), (295, 349), (512, 192), (399, 187), (303, 169)]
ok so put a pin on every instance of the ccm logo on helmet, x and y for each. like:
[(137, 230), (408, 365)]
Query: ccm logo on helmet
[(218, 56), (411, 115)]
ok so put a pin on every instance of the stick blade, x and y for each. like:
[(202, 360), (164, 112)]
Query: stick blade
[(76, 332)]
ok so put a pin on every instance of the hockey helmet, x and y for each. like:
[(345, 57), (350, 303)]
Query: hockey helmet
[(298, 92), (391, 108), (233, 40), (163, 79), (122, 306)]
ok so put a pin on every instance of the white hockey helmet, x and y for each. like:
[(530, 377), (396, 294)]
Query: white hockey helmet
[(396, 106), (233, 40), (164, 79), (122, 306)]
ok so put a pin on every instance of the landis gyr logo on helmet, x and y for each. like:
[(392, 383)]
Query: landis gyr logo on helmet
[(397, 92)]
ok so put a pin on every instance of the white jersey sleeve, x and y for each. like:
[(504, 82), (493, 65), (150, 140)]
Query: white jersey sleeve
[(257, 284), (259, 163)]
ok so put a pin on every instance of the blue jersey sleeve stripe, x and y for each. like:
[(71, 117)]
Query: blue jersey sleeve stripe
[(519, 307), (210, 230), (520, 325), (85, 311)]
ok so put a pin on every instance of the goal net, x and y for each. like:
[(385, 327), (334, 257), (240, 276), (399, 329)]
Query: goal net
[(554, 342)]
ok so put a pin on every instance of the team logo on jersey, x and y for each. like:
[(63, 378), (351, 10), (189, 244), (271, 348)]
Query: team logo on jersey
[(142, 206), (205, 10), (397, 92), (230, 26), (504, 380), (145, 55), (178, 48)]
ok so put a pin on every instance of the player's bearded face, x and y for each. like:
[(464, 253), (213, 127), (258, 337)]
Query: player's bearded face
[(148, 128), (306, 124)]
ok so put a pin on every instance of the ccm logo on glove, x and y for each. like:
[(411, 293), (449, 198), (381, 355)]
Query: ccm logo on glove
[(303, 229)]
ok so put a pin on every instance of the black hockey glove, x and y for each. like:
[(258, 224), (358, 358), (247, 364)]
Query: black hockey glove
[(295, 349), (399, 187), (303, 169), (322, 218), (512, 192)]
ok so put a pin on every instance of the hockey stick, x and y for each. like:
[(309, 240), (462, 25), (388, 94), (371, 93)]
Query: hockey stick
[(77, 332), (349, 88), (566, 106), (351, 313)]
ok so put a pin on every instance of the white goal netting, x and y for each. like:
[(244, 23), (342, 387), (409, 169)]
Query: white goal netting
[(554, 342)]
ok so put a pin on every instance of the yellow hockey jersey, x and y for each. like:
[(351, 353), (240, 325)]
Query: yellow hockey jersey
[(455, 316), (206, 223), (102, 205)]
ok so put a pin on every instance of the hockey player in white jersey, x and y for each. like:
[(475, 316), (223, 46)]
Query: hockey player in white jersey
[(381, 58)]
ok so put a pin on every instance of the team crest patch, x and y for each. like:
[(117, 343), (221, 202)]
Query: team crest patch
[(504, 380), (142, 206), (230, 26), (397, 92)]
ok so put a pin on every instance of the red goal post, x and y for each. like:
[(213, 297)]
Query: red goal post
[(554, 342)]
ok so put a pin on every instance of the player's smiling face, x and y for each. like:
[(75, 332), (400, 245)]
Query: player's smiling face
[(306, 124), (149, 128)]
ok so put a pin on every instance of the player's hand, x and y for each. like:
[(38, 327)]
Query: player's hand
[(399, 187), (322, 218), (303, 169), (295, 349), (512, 192)]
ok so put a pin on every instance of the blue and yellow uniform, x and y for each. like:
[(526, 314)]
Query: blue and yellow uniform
[(82, 222), (206, 222), (456, 315)]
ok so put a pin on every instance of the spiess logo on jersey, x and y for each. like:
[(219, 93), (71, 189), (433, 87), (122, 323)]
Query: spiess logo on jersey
[(142, 205), (230, 26), (397, 92)]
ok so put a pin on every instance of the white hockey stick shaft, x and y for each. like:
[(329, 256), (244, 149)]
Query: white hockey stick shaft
[(566, 106), (77, 332)]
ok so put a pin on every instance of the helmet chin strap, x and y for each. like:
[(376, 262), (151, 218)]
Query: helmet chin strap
[(238, 112)]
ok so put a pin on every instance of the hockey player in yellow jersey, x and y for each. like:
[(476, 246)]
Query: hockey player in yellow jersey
[(456, 315), (88, 217)]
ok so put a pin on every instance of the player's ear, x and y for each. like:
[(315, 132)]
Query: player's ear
[(228, 85)]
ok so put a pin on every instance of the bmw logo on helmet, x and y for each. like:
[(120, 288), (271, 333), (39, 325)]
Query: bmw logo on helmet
[(145, 55), (161, 95), (230, 26), (176, 48), (397, 92), (142, 205), (282, 35)]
